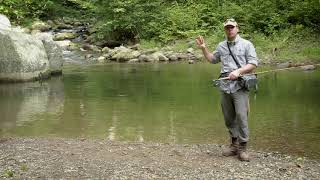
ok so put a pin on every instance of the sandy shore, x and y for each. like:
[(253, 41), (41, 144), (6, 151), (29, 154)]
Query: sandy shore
[(54, 158)]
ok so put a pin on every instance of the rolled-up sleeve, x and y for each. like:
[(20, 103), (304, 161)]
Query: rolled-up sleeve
[(251, 55), (216, 56)]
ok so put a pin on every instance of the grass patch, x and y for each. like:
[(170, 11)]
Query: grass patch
[(8, 173)]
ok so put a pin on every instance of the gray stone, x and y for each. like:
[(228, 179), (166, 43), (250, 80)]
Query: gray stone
[(284, 65), (158, 56), (124, 54), (54, 52), (190, 50), (64, 44), (173, 57), (101, 59), (143, 58), (22, 57), (182, 56), (64, 36), (105, 50), (135, 47), (4, 22), (91, 47), (39, 25), (133, 61), (191, 61), (308, 67)]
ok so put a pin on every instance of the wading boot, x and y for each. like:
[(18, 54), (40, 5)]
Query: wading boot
[(232, 150), (242, 153)]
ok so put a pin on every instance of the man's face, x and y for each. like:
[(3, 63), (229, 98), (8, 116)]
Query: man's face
[(231, 31)]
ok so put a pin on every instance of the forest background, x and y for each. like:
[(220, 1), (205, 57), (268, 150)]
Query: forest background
[(286, 30)]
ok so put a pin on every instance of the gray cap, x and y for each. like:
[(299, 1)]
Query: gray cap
[(230, 22)]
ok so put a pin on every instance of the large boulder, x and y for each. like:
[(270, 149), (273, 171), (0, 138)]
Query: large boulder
[(4, 22), (22, 57), (54, 52)]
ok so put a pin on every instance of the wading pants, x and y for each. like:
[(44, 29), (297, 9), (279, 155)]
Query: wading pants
[(235, 108)]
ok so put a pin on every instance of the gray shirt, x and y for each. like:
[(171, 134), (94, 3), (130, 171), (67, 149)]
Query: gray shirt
[(245, 53)]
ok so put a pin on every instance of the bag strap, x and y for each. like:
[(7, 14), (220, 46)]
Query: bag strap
[(235, 60)]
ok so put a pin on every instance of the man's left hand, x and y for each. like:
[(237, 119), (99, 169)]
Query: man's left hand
[(234, 74)]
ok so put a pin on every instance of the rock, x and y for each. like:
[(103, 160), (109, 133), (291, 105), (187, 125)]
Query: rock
[(191, 61), (101, 59), (149, 58), (43, 36), (158, 56), (54, 52), (88, 56), (19, 62), (143, 58), (107, 56), (308, 67), (64, 44), (26, 30), (182, 56), (173, 57), (39, 25), (133, 61), (72, 46), (123, 54), (4, 22), (36, 31), (105, 50), (162, 57), (64, 36), (284, 65), (190, 50), (135, 47), (90, 47)]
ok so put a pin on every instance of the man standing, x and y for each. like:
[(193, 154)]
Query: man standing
[(238, 56)]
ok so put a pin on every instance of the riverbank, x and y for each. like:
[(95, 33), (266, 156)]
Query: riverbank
[(31, 158)]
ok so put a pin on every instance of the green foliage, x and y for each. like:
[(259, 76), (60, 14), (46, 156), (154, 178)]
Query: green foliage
[(125, 20), (20, 11), (170, 20)]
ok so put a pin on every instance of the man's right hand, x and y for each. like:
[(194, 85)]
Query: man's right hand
[(200, 42)]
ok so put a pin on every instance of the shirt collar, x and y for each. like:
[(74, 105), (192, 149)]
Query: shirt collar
[(234, 41)]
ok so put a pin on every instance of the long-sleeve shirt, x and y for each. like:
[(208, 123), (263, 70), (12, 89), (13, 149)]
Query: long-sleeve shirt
[(245, 53)]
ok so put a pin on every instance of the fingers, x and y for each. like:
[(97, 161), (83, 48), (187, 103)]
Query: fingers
[(234, 75), (200, 40)]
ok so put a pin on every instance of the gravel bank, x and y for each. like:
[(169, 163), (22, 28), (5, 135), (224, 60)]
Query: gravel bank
[(53, 158)]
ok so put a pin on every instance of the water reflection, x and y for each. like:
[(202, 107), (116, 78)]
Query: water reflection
[(23, 103)]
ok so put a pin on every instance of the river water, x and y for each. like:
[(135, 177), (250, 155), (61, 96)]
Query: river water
[(166, 103)]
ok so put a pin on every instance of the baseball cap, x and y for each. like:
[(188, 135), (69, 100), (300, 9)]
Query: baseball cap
[(230, 22)]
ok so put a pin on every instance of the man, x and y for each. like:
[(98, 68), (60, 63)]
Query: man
[(234, 98)]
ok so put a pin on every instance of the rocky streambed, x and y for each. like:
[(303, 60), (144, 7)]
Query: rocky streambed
[(55, 158)]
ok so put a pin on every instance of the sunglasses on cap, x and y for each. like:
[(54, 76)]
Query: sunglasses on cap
[(231, 19)]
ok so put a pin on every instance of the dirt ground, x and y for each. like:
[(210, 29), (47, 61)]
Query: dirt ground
[(55, 158)]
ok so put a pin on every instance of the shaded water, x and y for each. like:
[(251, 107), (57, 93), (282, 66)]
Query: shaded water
[(168, 103)]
